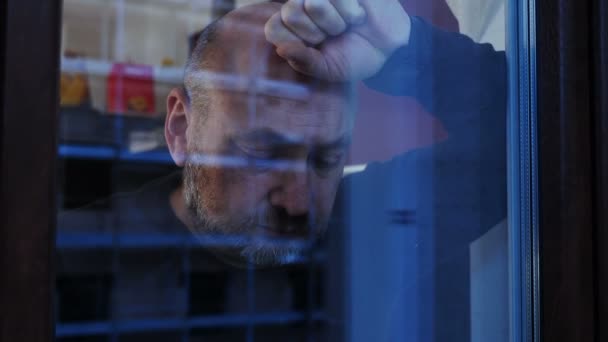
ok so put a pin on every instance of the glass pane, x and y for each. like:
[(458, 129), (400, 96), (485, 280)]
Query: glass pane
[(308, 170)]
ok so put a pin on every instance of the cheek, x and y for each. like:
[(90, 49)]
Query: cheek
[(231, 191), (212, 187), (326, 193)]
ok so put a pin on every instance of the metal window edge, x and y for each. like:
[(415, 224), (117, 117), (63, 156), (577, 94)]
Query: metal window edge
[(522, 172)]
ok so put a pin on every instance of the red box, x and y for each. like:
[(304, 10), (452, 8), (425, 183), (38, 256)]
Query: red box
[(131, 90)]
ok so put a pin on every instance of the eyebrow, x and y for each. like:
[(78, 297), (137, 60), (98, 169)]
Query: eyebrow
[(270, 136), (341, 142)]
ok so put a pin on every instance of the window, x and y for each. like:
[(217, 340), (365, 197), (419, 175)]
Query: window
[(175, 227), (249, 171)]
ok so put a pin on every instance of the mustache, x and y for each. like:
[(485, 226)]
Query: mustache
[(278, 219), (273, 218), (243, 234)]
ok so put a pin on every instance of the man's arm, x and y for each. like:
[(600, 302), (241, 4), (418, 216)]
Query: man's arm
[(338, 40), (464, 84), (454, 78), (459, 81)]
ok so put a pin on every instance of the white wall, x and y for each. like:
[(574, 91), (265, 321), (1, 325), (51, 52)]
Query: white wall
[(489, 274), (482, 20), (133, 30)]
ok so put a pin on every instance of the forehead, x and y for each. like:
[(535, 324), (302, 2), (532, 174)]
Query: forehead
[(319, 116)]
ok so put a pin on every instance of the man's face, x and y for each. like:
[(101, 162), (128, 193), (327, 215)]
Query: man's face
[(264, 170)]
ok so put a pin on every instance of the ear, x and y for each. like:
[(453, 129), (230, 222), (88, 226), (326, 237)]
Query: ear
[(176, 125)]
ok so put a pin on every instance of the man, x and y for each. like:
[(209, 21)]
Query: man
[(411, 282), (262, 125), (302, 140), (456, 190), (261, 165)]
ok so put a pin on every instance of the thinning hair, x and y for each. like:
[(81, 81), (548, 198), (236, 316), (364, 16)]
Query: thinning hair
[(198, 60), (209, 55)]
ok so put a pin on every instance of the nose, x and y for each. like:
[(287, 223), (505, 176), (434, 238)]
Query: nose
[(292, 193)]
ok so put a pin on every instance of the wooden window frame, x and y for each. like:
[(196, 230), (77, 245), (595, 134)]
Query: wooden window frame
[(30, 43), (600, 96), (572, 104), (572, 99)]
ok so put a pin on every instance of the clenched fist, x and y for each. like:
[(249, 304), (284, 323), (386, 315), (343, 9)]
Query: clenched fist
[(338, 40)]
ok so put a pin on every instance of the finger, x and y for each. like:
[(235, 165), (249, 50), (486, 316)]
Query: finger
[(276, 32), (304, 59), (350, 10), (297, 20), (326, 16), (290, 47)]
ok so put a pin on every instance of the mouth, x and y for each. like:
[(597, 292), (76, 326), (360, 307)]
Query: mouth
[(286, 232)]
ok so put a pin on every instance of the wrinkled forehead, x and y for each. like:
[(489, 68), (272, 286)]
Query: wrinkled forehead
[(238, 53), (287, 104), (319, 117), (240, 47), (247, 84)]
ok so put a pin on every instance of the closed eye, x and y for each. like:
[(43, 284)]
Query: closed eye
[(258, 153), (259, 159), (326, 162)]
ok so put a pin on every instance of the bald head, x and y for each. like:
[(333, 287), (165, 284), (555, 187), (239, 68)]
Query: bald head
[(233, 51)]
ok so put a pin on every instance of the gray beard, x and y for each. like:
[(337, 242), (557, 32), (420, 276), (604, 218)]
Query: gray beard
[(235, 239)]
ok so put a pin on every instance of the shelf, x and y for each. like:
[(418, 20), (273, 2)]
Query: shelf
[(147, 325), (87, 152), (110, 240), (95, 67), (88, 134), (107, 152), (87, 241), (163, 157)]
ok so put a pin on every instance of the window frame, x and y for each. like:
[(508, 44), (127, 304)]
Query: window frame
[(523, 170), (600, 52), (571, 41), (30, 43)]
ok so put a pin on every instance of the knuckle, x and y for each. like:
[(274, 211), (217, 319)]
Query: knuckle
[(289, 16), (315, 7), (277, 33), (347, 9), (271, 35), (272, 28), (316, 38)]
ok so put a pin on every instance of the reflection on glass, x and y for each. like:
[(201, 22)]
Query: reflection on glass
[(312, 170)]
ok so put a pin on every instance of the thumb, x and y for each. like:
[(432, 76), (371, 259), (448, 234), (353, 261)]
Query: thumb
[(304, 59)]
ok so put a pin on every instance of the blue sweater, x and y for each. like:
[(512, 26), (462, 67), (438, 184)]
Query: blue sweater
[(410, 221)]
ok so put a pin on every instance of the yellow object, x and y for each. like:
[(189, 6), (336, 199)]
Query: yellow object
[(167, 62), (74, 89), (138, 104)]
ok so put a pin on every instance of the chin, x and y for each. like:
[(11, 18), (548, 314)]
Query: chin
[(264, 252), (275, 256)]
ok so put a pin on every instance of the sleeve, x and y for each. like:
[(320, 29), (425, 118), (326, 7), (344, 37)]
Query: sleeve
[(463, 84), (453, 77)]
